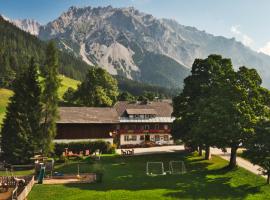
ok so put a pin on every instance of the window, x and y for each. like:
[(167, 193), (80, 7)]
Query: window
[(126, 138), (131, 116), (136, 116), (166, 138), (157, 138), (142, 137), (165, 127), (156, 126), (117, 127), (141, 116), (134, 137), (146, 127), (130, 138)]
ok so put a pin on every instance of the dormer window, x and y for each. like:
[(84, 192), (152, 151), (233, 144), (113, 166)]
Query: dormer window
[(141, 113)]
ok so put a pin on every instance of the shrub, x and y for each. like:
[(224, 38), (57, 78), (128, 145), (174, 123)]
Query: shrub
[(76, 147)]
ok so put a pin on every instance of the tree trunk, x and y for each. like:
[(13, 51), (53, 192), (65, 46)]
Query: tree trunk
[(200, 150), (268, 178), (207, 153), (232, 163)]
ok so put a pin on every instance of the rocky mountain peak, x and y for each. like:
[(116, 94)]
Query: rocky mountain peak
[(128, 42)]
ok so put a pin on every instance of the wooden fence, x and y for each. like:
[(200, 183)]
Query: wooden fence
[(19, 192), (27, 189)]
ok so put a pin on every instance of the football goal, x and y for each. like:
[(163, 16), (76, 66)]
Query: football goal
[(155, 168), (177, 167)]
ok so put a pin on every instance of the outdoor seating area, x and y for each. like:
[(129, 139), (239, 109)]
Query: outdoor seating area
[(69, 154)]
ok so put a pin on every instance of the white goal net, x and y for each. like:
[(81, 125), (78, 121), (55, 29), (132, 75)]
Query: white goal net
[(155, 168), (177, 167)]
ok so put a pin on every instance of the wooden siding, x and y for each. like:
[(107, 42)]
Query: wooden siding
[(84, 131)]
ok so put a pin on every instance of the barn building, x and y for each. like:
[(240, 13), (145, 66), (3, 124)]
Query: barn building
[(129, 123)]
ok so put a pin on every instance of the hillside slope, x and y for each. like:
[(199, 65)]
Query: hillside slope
[(5, 94)]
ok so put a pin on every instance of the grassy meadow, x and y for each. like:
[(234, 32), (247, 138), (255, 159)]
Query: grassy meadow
[(125, 178)]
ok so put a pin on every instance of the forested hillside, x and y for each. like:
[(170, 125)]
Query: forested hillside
[(18, 46)]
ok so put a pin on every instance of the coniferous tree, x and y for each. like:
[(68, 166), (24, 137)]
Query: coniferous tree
[(21, 128), (98, 89), (50, 98)]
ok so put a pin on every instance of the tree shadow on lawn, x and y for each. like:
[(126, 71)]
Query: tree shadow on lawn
[(198, 182)]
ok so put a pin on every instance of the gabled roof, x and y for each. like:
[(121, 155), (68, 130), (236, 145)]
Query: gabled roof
[(139, 111), (162, 108), (83, 115)]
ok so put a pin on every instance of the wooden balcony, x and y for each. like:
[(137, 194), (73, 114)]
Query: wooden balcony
[(139, 131)]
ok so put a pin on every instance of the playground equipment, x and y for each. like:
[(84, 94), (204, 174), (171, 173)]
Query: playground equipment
[(41, 175), (177, 167), (155, 168), (12, 187), (47, 163)]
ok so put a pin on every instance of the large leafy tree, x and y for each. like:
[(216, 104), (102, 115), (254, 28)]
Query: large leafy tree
[(50, 98), (218, 107), (98, 89), (190, 107), (239, 100), (21, 129), (258, 147)]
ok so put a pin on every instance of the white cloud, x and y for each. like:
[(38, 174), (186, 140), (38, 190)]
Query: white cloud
[(265, 49), (245, 39)]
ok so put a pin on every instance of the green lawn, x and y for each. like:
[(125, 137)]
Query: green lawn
[(125, 178), (5, 94), (66, 83)]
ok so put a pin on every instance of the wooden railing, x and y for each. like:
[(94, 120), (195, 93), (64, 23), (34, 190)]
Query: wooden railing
[(144, 131)]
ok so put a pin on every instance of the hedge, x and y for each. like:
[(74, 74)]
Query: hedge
[(76, 147)]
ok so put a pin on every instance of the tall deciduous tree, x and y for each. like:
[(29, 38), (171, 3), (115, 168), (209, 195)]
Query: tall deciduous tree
[(98, 89), (21, 129), (258, 147), (50, 98), (218, 107), (190, 105)]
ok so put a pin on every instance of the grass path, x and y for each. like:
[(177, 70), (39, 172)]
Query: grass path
[(125, 178)]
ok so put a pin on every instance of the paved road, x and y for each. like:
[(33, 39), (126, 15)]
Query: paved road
[(168, 149), (240, 161)]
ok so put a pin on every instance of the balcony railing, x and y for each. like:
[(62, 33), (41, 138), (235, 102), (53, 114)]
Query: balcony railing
[(144, 131)]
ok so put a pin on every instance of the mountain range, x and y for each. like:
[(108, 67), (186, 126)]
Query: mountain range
[(136, 45)]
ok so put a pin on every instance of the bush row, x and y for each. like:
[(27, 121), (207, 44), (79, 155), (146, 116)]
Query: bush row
[(76, 147)]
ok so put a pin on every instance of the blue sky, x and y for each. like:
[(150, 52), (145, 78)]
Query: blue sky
[(246, 20)]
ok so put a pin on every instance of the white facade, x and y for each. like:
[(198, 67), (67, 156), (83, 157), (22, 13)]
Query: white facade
[(132, 139)]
